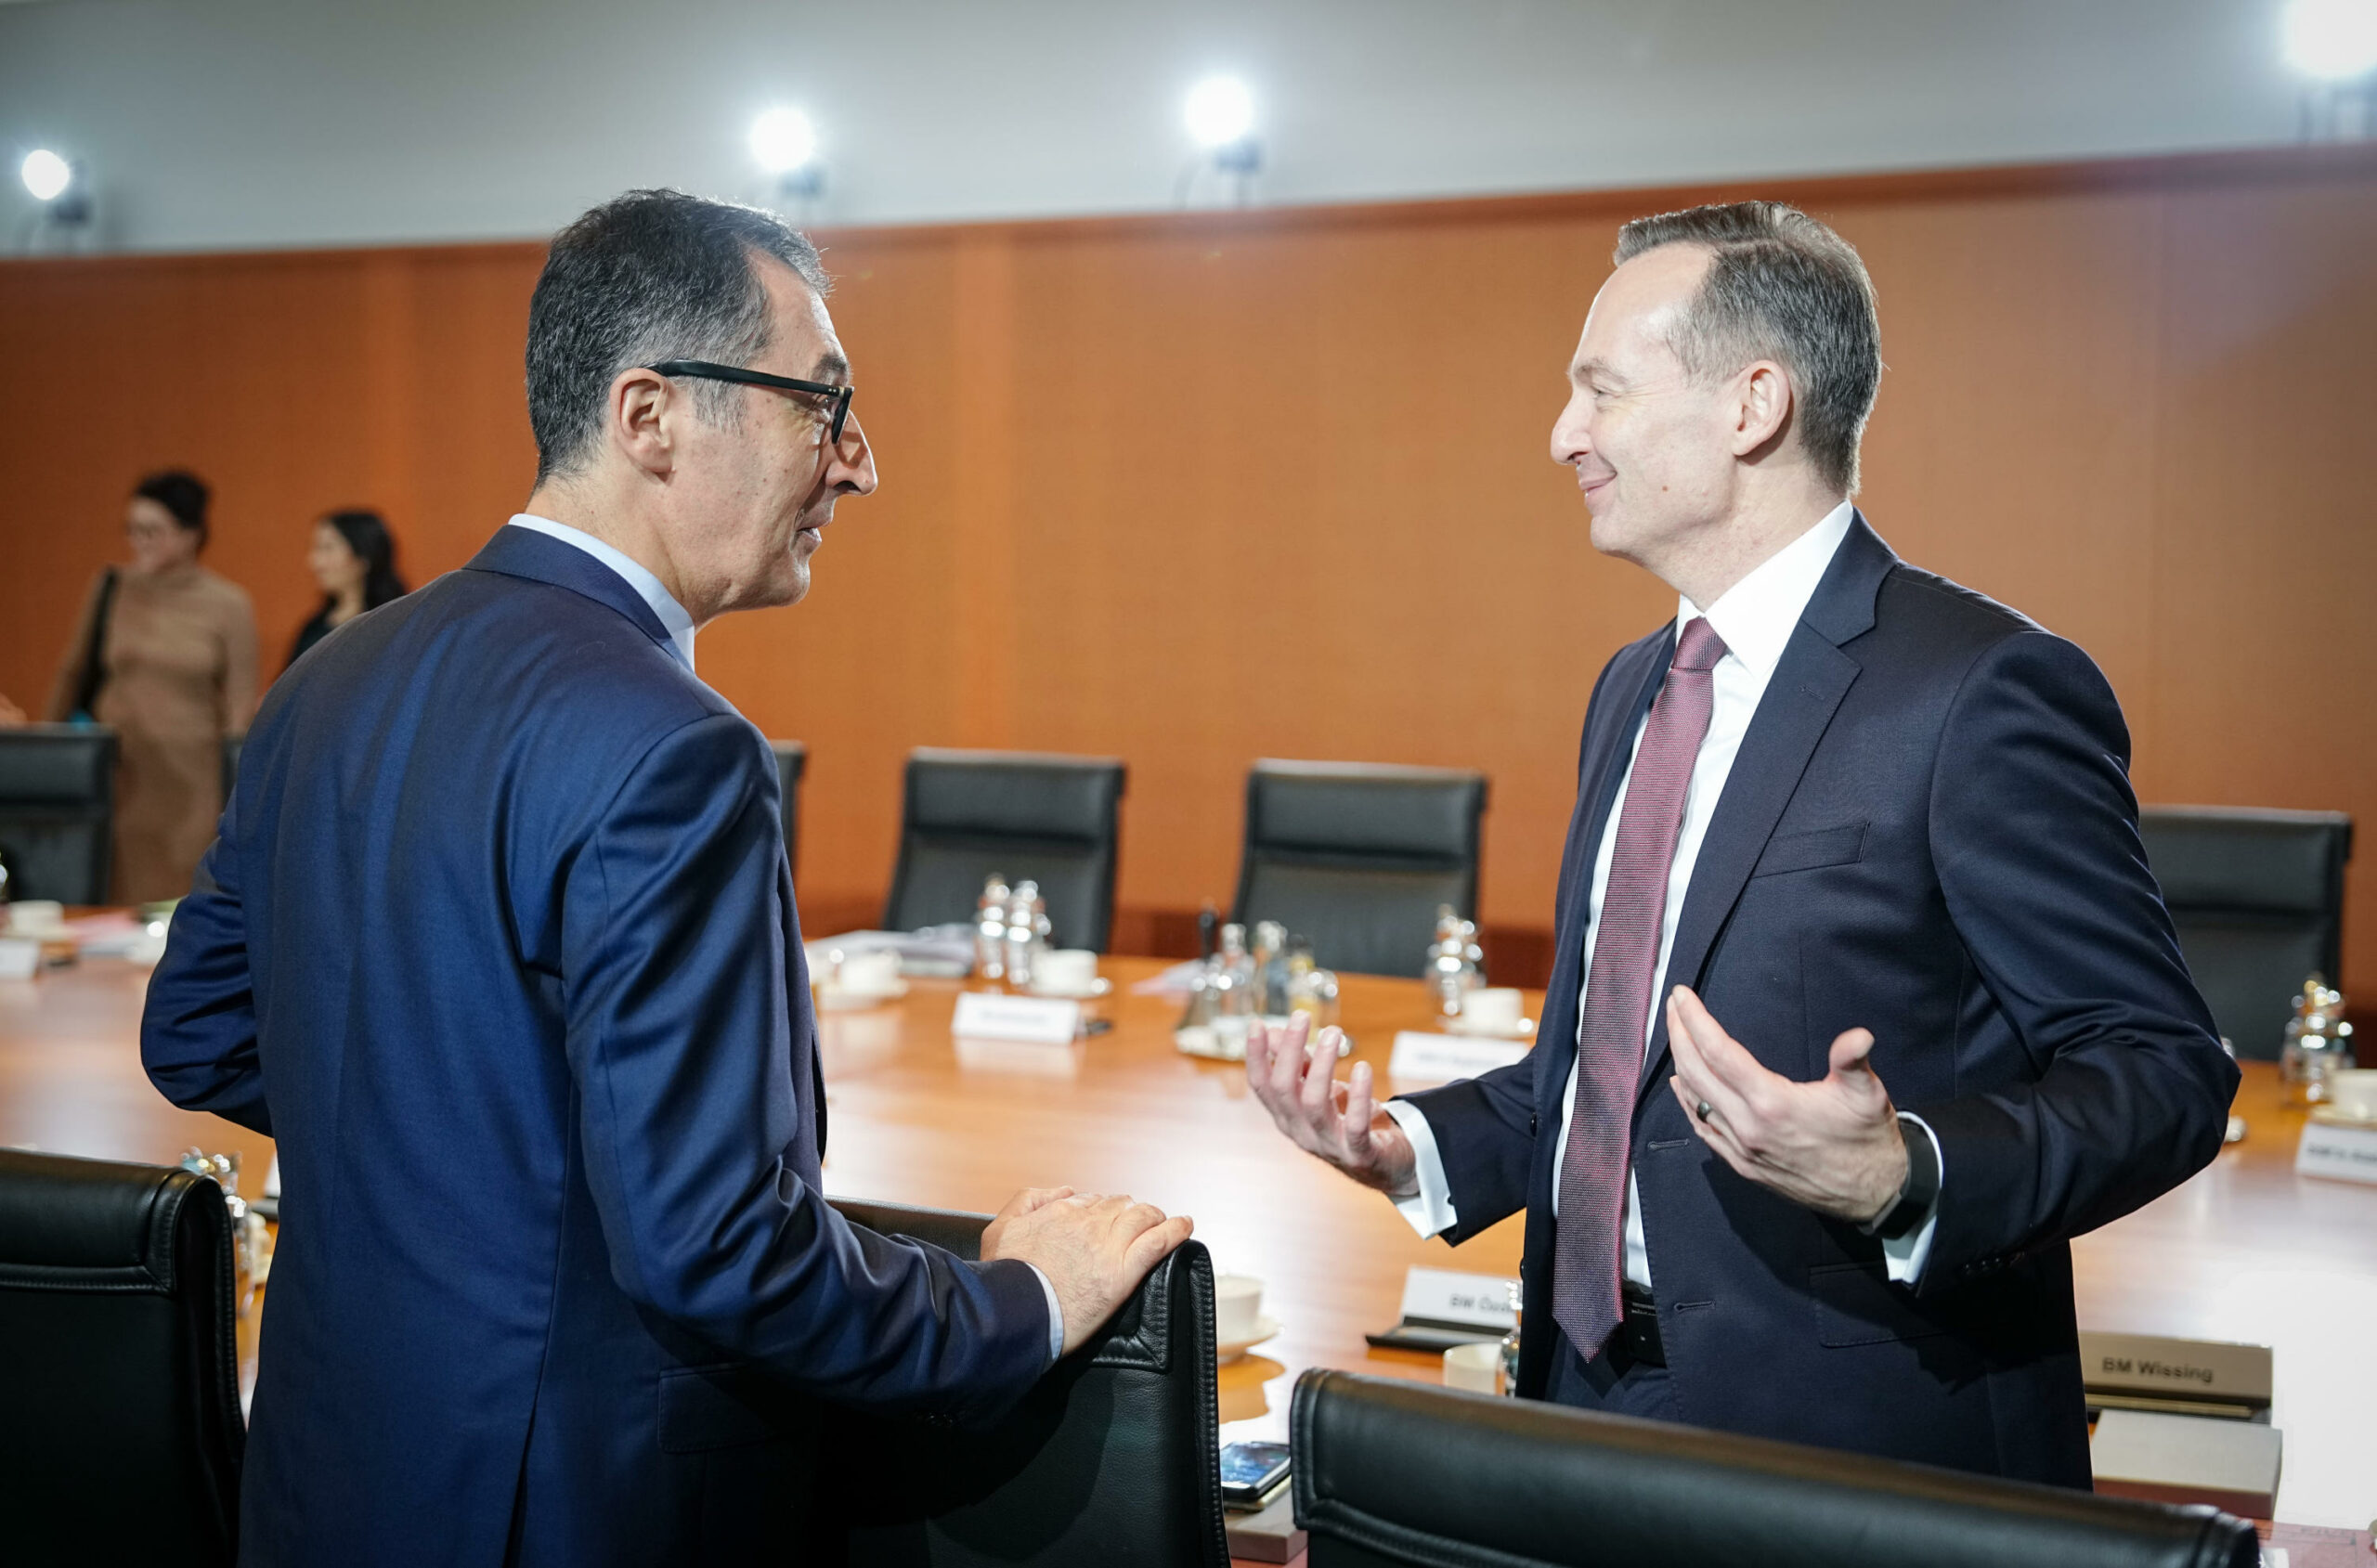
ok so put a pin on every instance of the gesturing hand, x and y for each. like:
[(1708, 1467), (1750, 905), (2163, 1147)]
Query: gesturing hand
[(1833, 1145), (1337, 1121), (1094, 1250)]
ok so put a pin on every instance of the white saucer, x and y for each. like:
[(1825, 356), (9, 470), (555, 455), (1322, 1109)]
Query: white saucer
[(1518, 1031), (842, 999), (1098, 987), (1230, 1350)]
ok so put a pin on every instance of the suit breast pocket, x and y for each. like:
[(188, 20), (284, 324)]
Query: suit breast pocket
[(1808, 851)]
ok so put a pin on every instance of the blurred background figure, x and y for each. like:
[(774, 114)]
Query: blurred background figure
[(166, 654), (353, 557)]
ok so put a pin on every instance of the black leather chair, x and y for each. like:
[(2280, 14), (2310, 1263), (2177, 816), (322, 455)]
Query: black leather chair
[(1397, 1472), (967, 814), (120, 1426), (792, 760), (1357, 856), (57, 810), (2258, 899), (1114, 1456)]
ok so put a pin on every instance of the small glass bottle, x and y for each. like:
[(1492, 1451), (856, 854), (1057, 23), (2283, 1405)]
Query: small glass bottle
[(989, 929), (1271, 969), (1511, 1344), (1234, 974), (1026, 923)]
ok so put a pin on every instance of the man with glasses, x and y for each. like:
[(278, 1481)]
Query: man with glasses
[(499, 943)]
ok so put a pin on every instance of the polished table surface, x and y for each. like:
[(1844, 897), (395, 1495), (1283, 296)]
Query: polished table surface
[(2246, 1251)]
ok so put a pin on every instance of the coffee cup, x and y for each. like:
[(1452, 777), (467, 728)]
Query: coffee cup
[(1476, 1367), (871, 974), (1065, 969), (1493, 1009), (37, 917), (1238, 1307), (2354, 1093)]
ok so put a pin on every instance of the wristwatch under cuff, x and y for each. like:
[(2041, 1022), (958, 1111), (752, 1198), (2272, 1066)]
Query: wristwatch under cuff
[(1918, 1194)]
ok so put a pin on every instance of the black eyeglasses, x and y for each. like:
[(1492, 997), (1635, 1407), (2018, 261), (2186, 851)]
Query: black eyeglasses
[(703, 370)]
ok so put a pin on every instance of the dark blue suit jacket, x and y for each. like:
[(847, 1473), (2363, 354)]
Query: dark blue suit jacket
[(498, 944), (1930, 832)]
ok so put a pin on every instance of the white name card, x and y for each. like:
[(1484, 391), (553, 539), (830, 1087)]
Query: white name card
[(19, 958), (1036, 1021), (2213, 1371), (1420, 1057), (1436, 1295), (2342, 1153)]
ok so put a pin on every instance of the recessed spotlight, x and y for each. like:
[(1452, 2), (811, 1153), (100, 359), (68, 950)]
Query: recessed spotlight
[(783, 140), (2334, 40), (1220, 111), (46, 175)]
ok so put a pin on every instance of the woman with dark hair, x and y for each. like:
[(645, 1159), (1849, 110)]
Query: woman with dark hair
[(353, 557), (166, 654)]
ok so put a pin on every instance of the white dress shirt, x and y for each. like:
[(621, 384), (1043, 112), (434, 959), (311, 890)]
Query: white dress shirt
[(1754, 619), (673, 617), (680, 626)]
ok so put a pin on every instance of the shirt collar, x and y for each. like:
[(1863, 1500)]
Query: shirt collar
[(1754, 617), (679, 625)]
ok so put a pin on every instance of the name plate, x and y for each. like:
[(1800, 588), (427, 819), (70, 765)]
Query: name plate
[(1034, 1019), (19, 958), (2157, 1370), (1436, 1295), (2336, 1152), (1420, 1057)]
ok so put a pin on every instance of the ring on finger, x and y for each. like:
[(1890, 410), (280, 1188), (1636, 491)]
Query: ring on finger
[(1704, 1110)]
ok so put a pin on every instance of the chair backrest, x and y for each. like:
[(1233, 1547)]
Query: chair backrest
[(1388, 1472), (2258, 899), (1357, 856), (1114, 1456), (120, 1426), (792, 760), (57, 810), (967, 814)]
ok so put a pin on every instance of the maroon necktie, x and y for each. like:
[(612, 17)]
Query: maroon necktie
[(1588, 1257)]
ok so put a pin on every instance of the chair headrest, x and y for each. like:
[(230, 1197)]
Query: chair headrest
[(59, 764), (94, 1222), (1364, 808), (1410, 1471), (1023, 795), (2238, 857)]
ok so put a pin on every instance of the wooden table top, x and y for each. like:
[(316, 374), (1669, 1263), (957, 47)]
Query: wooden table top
[(2247, 1251)]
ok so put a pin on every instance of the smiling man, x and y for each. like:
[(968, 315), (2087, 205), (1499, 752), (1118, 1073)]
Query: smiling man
[(1864, 1003), (499, 943)]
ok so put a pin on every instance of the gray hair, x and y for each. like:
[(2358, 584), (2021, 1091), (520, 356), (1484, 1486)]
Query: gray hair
[(1782, 287), (651, 276)]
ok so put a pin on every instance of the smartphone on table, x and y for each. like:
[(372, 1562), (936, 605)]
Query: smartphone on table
[(1252, 1472)]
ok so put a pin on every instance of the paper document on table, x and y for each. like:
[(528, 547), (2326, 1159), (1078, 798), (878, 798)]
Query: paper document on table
[(1438, 1059)]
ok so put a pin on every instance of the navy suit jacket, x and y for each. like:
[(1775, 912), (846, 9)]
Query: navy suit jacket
[(498, 944), (1930, 832)]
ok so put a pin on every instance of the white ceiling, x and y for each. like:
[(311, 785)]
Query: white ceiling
[(214, 123)]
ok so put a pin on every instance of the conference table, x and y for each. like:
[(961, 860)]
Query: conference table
[(2245, 1252)]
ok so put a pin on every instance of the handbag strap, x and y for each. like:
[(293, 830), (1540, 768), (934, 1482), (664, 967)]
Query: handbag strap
[(95, 674)]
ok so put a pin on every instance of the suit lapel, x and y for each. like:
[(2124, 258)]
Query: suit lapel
[(1801, 699)]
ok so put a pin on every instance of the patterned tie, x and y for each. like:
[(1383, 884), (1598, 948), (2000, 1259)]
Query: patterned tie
[(1587, 1258)]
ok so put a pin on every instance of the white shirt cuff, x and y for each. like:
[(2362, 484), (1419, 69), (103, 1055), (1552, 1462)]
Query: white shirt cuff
[(1430, 1211), (1906, 1256), (1057, 1315)]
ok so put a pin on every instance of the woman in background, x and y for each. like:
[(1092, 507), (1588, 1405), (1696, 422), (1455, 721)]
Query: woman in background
[(167, 656), (353, 557)]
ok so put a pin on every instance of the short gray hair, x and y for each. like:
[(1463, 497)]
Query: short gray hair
[(652, 275), (1782, 287)]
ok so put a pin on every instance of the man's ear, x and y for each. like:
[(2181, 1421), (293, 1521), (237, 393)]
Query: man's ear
[(1763, 411), (642, 415)]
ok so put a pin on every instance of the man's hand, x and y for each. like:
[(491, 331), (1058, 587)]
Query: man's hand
[(1336, 1121), (1833, 1145), (1094, 1250)]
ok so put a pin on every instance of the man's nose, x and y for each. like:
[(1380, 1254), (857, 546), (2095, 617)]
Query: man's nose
[(854, 461), (1570, 438)]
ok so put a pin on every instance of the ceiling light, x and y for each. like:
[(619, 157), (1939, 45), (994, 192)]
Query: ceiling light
[(783, 140), (2334, 40), (1220, 111), (46, 175)]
